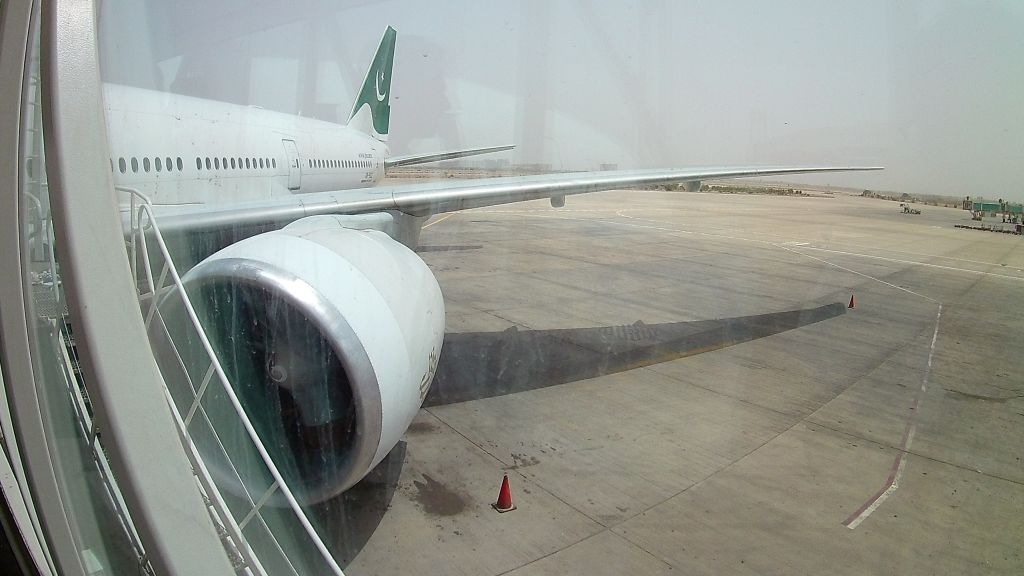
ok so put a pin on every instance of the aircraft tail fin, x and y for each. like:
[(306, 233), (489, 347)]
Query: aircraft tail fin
[(371, 112)]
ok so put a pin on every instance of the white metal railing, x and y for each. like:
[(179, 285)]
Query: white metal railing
[(90, 432), (143, 223)]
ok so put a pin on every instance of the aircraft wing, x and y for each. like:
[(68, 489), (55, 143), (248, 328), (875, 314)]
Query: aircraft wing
[(411, 159), (447, 196)]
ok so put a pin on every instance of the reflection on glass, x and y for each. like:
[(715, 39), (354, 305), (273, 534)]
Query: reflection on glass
[(105, 537)]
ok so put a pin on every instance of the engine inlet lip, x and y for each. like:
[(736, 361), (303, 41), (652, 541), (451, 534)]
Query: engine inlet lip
[(336, 331)]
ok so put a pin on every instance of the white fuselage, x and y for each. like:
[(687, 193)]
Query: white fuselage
[(182, 150)]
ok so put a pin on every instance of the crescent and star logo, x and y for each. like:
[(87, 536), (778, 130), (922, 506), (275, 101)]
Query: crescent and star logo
[(380, 95)]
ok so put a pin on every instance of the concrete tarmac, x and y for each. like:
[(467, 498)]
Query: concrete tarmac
[(882, 439)]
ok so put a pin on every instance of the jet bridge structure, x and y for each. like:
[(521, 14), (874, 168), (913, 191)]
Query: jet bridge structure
[(1005, 217)]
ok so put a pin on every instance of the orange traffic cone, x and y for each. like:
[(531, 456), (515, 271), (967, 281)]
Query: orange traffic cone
[(851, 301), (504, 503)]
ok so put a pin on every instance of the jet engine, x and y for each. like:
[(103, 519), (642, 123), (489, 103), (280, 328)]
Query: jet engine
[(330, 337)]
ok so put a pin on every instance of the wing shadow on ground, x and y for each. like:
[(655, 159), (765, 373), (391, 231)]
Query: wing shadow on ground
[(485, 364), (449, 248)]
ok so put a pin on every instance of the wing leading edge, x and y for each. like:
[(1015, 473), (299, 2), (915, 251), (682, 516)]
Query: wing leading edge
[(449, 196)]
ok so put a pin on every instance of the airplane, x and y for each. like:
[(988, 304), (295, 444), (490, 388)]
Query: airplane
[(181, 150), (327, 321)]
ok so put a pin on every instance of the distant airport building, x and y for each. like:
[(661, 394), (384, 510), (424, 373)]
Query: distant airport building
[(980, 208)]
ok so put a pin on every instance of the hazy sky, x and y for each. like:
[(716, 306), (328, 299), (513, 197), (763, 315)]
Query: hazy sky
[(933, 90)]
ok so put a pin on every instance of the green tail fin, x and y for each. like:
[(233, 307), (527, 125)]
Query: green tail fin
[(376, 91)]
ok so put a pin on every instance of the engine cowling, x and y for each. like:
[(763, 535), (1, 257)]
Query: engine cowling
[(330, 337)]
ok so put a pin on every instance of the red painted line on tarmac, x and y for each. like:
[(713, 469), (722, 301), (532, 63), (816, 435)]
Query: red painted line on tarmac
[(892, 482), (885, 487)]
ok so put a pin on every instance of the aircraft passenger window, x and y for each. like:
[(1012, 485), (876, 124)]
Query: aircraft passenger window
[(135, 164), (145, 164), (232, 163), (179, 164), (199, 163), (207, 162), (158, 163), (246, 163), (169, 164), (216, 163), (224, 163), (274, 160), (121, 165)]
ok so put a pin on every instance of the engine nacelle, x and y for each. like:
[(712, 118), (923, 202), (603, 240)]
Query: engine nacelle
[(330, 337)]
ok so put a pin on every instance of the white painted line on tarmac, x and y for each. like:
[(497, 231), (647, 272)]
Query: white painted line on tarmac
[(442, 219), (915, 263), (900, 462), (852, 271)]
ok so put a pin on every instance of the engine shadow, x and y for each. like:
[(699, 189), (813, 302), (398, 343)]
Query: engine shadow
[(486, 364), (347, 521)]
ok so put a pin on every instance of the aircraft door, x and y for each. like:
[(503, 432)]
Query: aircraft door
[(291, 151)]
